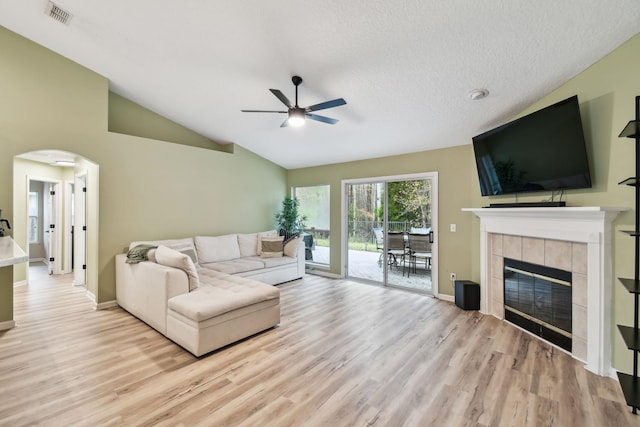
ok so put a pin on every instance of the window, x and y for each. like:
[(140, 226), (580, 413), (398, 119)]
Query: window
[(314, 204), (33, 217)]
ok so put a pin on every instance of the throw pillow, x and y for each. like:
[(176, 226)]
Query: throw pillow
[(151, 255), (248, 244), (288, 235), (191, 252), (172, 258), (290, 248), (139, 253), (272, 246), (270, 233)]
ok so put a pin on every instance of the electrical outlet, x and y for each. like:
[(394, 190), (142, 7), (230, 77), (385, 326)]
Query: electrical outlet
[(453, 277)]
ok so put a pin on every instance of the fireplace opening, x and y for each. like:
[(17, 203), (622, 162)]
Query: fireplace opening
[(538, 298)]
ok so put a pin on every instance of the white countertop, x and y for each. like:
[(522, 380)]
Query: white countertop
[(10, 252)]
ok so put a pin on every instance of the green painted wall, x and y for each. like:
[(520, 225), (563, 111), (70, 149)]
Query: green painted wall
[(129, 118), (6, 295), (147, 189)]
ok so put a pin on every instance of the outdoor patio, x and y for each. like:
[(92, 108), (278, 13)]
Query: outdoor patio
[(364, 265)]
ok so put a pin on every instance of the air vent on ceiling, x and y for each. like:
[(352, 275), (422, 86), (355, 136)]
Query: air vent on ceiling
[(56, 12)]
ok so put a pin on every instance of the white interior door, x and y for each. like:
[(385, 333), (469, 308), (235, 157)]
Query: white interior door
[(67, 242), (46, 233), (54, 207), (80, 231), (50, 224)]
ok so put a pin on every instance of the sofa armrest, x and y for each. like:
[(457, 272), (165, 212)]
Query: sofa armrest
[(143, 289), (300, 250), (300, 258)]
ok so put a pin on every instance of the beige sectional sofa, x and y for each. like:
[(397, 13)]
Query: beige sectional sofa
[(208, 291)]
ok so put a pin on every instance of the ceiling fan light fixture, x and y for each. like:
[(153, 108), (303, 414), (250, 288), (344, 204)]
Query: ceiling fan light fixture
[(296, 117)]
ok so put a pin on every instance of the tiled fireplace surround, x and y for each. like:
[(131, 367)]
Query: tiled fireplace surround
[(568, 256), (573, 239)]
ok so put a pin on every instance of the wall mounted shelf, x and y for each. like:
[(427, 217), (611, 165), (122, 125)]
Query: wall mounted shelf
[(630, 383)]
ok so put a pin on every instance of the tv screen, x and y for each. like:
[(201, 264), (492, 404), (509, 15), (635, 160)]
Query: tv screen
[(543, 151)]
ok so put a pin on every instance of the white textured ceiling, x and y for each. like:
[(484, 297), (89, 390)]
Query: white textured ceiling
[(405, 67)]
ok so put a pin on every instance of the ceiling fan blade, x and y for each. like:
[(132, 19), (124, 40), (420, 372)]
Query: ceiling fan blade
[(322, 119), (263, 111), (281, 97), (325, 105), (285, 123)]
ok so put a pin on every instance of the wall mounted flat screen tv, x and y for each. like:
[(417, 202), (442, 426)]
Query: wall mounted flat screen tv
[(543, 151)]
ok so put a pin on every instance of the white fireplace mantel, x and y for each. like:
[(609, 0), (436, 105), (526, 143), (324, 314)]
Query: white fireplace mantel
[(590, 225)]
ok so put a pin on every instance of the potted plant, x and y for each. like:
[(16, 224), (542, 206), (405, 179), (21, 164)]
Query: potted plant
[(288, 218)]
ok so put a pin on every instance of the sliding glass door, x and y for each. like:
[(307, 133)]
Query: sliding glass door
[(391, 231), (366, 257)]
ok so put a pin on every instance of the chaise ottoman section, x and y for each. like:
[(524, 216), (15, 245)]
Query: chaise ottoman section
[(224, 309)]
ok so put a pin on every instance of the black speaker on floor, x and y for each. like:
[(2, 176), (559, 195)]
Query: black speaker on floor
[(467, 295)]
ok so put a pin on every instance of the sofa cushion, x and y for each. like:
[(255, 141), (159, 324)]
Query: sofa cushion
[(274, 262), (217, 248), (234, 266), (248, 244), (221, 294), (172, 258), (271, 246)]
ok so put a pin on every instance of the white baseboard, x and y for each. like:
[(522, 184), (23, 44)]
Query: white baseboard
[(105, 305), (20, 283), (91, 296), (323, 274), (445, 297), (102, 305), (8, 324)]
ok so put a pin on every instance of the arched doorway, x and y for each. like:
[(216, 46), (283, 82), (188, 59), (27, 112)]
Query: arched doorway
[(54, 216)]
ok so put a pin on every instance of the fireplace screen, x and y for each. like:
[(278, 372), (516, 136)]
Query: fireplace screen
[(538, 299)]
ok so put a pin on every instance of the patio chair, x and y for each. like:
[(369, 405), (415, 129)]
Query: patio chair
[(378, 235), (420, 230), (396, 248), (419, 248)]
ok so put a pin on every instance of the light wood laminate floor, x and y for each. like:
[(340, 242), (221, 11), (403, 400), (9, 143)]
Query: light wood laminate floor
[(345, 354)]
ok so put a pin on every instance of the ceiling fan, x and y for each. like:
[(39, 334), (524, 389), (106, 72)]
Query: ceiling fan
[(297, 114)]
